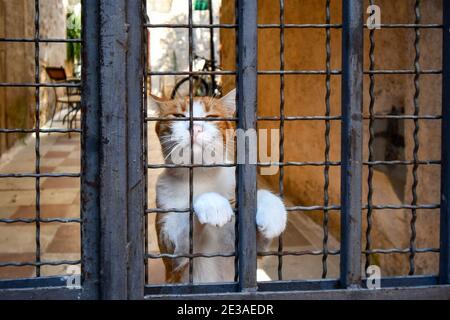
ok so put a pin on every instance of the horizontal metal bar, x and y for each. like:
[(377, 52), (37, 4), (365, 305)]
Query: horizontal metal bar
[(193, 73), (187, 289), (299, 25), (402, 162), (53, 281), (299, 118), (425, 292), (194, 26), (40, 263), (397, 250), (43, 220), (292, 285), (314, 208), (319, 208), (186, 166), (299, 72), (402, 117), (402, 206), (40, 85), (299, 164), (40, 130), (293, 72), (410, 25), (298, 253), (148, 119), (403, 71), (275, 164), (294, 26), (44, 293), (39, 175), (191, 256), (41, 40)]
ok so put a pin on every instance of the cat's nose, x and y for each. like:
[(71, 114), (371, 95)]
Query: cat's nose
[(197, 130)]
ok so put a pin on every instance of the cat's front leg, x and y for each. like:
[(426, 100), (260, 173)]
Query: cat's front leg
[(212, 208), (271, 215)]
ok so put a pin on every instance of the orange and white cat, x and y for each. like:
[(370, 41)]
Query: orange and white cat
[(213, 193)]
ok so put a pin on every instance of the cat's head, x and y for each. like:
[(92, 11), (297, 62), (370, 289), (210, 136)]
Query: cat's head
[(209, 137)]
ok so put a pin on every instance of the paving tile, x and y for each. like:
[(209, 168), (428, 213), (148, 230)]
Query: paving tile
[(62, 196), (61, 183), (7, 212), (156, 271), (20, 237), (16, 272), (56, 154), (66, 240), (48, 211), (10, 184), (17, 198), (72, 162)]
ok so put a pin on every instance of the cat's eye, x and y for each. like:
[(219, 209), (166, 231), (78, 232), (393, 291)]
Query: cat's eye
[(179, 115), (213, 116)]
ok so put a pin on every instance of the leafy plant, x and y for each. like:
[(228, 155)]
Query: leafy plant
[(73, 32)]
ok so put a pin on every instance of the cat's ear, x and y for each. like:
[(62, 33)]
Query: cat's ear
[(229, 101), (156, 104)]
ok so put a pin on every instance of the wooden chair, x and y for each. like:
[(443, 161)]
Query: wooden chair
[(66, 96)]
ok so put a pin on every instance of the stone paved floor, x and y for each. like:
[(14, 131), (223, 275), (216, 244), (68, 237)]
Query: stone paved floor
[(60, 197)]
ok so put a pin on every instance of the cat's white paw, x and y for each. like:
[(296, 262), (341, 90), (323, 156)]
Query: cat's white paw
[(214, 209), (271, 215)]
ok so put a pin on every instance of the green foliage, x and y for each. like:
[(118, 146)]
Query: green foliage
[(73, 32)]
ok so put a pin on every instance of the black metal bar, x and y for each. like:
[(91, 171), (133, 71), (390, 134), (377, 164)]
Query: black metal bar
[(113, 159), (136, 176), (246, 105), (212, 49), (41, 293), (371, 146), (191, 144), (38, 85), (145, 132), (281, 127), (351, 171), (294, 25), (386, 293), (90, 144), (37, 79), (444, 269), (415, 182), (326, 171), (41, 40)]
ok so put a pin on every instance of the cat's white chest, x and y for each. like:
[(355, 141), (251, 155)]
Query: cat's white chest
[(174, 191)]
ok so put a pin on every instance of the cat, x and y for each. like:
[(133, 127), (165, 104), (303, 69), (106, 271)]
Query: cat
[(213, 193)]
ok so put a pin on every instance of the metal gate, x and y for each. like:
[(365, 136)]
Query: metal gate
[(114, 162)]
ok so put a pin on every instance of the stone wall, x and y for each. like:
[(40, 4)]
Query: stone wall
[(17, 65), (305, 95)]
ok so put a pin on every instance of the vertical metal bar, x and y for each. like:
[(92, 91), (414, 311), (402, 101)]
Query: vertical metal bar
[(90, 142), (281, 142), (212, 47), (113, 160), (444, 272), (135, 186), (37, 111), (326, 171), (351, 170), (236, 173), (247, 104), (191, 134), (371, 145), (412, 242), (145, 132)]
